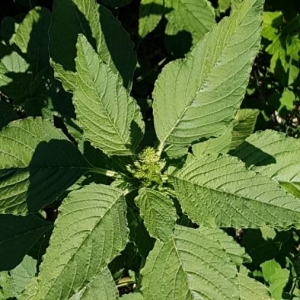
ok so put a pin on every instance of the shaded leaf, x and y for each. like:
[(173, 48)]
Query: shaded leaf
[(150, 13), (188, 21), (32, 38), (103, 31), (37, 163), (275, 155), (17, 235)]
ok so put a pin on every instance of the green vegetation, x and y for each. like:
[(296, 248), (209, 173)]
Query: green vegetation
[(148, 150)]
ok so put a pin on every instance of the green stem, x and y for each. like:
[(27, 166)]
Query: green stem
[(105, 172)]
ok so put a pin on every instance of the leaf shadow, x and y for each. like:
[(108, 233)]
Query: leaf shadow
[(252, 155), (54, 167), (179, 44)]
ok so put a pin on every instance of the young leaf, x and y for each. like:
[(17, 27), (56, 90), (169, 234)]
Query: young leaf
[(37, 163), (192, 265), (17, 235), (89, 232), (32, 38), (158, 212), (201, 93), (219, 190), (150, 13), (23, 273), (252, 289), (110, 118), (276, 277), (275, 155), (188, 21), (101, 287), (103, 31)]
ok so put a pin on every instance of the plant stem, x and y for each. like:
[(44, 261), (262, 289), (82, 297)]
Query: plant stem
[(105, 172)]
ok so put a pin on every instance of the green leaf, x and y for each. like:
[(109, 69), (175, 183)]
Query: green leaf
[(287, 100), (89, 232), (252, 289), (103, 31), (201, 94), (276, 277), (275, 155), (32, 38), (192, 265), (17, 235), (101, 287), (110, 118), (37, 163), (219, 190), (15, 73), (158, 212), (150, 14), (188, 22), (23, 273)]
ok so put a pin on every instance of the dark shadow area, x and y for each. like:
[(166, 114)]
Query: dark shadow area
[(67, 23), (54, 167), (252, 155), (119, 45), (263, 248), (136, 136), (17, 235), (7, 113), (179, 44)]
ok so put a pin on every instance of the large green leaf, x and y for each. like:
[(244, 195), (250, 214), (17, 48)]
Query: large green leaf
[(188, 21), (103, 31), (158, 212), (32, 38), (198, 97), (37, 163), (150, 13), (275, 155), (17, 235), (110, 118), (219, 190), (192, 265), (89, 232)]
